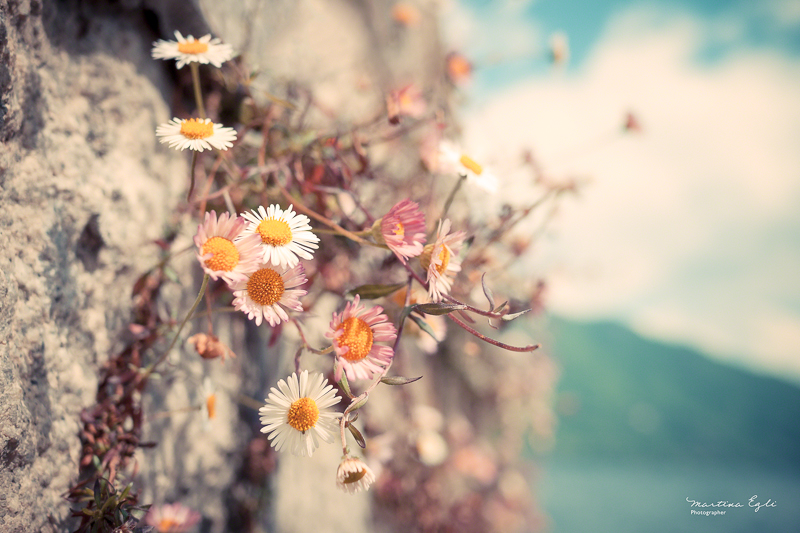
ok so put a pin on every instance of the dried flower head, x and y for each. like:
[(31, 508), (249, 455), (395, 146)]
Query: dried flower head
[(187, 50), (353, 475), (298, 415), (402, 229), (285, 235), (221, 249), (267, 292), (172, 518), (209, 346), (355, 333), (196, 134), (440, 260)]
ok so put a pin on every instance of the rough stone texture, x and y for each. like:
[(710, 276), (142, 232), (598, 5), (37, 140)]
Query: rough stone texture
[(84, 189)]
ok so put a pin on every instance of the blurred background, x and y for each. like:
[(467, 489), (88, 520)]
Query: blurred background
[(673, 295)]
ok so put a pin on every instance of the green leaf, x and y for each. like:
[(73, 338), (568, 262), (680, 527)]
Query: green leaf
[(440, 308), (370, 292), (357, 435), (357, 404), (424, 326), (512, 316), (345, 386), (487, 291), (399, 380)]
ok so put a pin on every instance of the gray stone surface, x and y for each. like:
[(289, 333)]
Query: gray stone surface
[(84, 189)]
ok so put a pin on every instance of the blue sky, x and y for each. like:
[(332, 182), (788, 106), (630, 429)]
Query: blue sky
[(689, 232)]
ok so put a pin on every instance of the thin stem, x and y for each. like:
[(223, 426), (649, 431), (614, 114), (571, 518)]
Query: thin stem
[(461, 179), (149, 369), (191, 175), (198, 95), (490, 340)]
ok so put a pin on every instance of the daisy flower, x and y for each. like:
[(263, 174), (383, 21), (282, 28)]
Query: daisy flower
[(402, 229), (196, 134), (452, 159), (297, 414), (407, 101), (266, 292), (209, 406), (187, 50), (353, 475), (285, 235), (440, 260), (458, 68), (354, 332), (172, 518), (221, 251)]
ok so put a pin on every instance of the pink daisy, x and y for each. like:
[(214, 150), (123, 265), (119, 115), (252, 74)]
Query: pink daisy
[(172, 518), (403, 229), (354, 332), (221, 250), (441, 261), (265, 293)]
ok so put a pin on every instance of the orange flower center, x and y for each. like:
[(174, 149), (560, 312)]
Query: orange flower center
[(166, 525), (274, 231), (354, 477), (265, 286), (444, 258), (197, 128), (211, 405), (225, 255), (303, 414), (399, 229), (192, 47), (470, 164), (357, 337)]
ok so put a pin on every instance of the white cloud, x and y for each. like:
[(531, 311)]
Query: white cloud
[(690, 231)]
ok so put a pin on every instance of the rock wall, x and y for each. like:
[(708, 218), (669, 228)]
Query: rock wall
[(84, 190)]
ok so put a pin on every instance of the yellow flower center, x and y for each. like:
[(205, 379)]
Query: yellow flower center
[(265, 286), (470, 164), (211, 405), (225, 255), (399, 229), (354, 477), (274, 231), (444, 257), (166, 525), (303, 414), (357, 336), (193, 47), (196, 128)]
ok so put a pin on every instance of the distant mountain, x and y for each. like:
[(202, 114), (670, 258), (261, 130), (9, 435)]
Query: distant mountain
[(622, 397)]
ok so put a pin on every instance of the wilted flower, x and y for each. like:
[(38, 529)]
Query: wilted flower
[(440, 260), (221, 250), (355, 332), (284, 235), (458, 68), (187, 50), (406, 14), (407, 101), (209, 346), (402, 229), (266, 292), (172, 518), (297, 414), (353, 475), (196, 134)]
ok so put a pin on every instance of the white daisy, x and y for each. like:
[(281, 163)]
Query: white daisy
[(187, 50), (297, 414), (285, 235), (440, 260), (353, 475), (265, 293), (452, 159), (196, 134)]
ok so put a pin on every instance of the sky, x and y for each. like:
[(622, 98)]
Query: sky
[(688, 232)]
